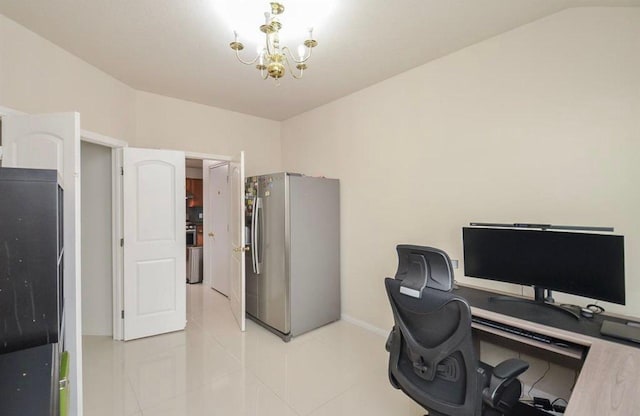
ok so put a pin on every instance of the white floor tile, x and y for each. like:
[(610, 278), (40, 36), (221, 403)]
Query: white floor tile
[(107, 390), (372, 397), (165, 373), (238, 394), (212, 368)]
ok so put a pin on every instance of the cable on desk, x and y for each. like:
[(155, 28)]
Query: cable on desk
[(540, 379), (575, 380), (559, 398)]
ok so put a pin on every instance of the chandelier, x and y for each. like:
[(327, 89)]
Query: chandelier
[(272, 59)]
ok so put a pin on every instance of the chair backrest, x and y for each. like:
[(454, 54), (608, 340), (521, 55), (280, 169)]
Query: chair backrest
[(432, 358)]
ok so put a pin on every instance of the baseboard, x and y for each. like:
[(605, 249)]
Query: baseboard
[(365, 325)]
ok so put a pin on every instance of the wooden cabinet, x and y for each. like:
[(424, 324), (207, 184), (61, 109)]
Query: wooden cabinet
[(199, 235), (194, 192), (195, 201)]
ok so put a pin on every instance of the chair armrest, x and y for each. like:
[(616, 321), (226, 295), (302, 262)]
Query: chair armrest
[(387, 345), (510, 368), (501, 378)]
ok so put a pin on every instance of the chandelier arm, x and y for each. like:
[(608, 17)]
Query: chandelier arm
[(293, 74), (246, 62), (293, 58)]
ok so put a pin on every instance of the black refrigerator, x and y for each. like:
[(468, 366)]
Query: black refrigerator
[(31, 293)]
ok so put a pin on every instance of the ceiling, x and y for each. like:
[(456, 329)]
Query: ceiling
[(180, 48)]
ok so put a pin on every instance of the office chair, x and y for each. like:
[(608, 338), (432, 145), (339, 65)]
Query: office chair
[(432, 358)]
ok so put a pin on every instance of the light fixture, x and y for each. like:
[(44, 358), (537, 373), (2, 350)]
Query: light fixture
[(273, 59)]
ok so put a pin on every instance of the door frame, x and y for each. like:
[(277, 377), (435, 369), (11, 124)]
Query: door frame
[(221, 160), (116, 212)]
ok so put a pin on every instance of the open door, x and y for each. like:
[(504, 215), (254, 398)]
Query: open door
[(215, 180), (236, 231), (52, 141), (154, 246)]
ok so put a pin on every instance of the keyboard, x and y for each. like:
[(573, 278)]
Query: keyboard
[(517, 331)]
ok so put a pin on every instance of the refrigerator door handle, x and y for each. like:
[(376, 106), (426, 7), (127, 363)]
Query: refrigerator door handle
[(253, 237), (258, 235)]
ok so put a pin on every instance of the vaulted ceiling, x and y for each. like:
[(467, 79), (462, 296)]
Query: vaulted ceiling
[(180, 48)]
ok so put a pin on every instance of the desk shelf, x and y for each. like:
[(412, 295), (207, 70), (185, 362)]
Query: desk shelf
[(571, 351)]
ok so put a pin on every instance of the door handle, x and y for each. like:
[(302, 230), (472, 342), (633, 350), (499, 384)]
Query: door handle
[(212, 234), (254, 235), (257, 240), (240, 249)]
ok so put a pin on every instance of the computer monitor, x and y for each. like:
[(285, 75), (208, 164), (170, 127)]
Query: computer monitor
[(583, 264)]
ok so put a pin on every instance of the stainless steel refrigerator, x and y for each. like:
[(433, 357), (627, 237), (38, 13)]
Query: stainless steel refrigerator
[(293, 262)]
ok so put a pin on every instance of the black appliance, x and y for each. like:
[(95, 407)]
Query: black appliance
[(192, 235), (31, 292), (583, 264)]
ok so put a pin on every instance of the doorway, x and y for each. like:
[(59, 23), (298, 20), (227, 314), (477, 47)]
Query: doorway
[(96, 239), (207, 200)]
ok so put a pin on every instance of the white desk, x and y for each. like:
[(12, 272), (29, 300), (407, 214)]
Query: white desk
[(609, 381)]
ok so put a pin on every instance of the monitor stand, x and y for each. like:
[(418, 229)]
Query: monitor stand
[(538, 300)]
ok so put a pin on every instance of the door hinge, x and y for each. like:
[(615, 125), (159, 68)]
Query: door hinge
[(122, 242), (122, 314), (122, 170)]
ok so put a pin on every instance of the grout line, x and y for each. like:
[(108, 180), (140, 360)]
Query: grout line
[(135, 394)]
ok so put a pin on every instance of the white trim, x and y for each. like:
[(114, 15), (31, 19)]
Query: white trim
[(365, 325), (117, 251), (206, 156), (6, 111), (215, 163), (85, 135), (101, 139)]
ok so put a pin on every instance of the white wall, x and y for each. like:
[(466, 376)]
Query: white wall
[(97, 318), (37, 76), (193, 173), (169, 123), (540, 124)]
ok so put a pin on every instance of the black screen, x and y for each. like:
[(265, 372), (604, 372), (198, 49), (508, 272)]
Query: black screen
[(589, 265)]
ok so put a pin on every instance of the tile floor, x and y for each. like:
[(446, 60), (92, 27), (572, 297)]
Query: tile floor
[(212, 368)]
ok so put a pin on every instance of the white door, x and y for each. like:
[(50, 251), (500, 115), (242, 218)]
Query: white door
[(52, 141), (236, 231), (216, 225), (154, 255)]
